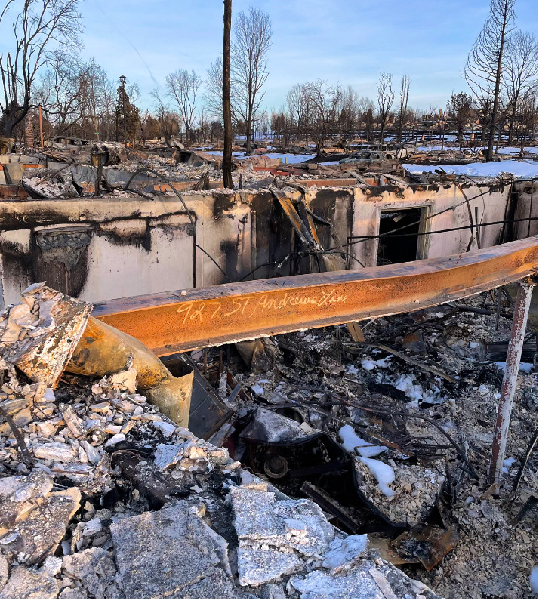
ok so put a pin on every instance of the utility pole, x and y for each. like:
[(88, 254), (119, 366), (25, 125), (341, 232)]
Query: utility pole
[(122, 80), (226, 93)]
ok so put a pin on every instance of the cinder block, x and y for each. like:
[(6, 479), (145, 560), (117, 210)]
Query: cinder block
[(13, 172)]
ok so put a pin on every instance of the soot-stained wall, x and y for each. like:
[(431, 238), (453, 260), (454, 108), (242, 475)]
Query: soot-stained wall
[(110, 247)]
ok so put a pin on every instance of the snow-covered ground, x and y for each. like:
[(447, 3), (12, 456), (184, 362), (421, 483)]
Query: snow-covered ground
[(507, 150), (219, 153), (291, 158), (286, 158), (521, 169)]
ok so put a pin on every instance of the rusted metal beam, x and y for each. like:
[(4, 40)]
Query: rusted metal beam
[(190, 319)]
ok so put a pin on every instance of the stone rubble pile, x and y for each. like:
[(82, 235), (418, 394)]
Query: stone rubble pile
[(73, 525)]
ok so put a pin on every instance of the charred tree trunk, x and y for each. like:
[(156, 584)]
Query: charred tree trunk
[(226, 107), (498, 77)]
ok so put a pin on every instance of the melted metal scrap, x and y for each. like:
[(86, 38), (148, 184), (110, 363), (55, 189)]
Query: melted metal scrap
[(40, 334)]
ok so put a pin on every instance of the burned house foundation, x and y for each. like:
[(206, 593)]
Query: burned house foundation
[(111, 247), (325, 458)]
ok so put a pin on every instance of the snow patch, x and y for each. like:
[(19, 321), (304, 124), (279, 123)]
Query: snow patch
[(534, 580), (521, 169), (351, 442), (368, 364), (383, 473)]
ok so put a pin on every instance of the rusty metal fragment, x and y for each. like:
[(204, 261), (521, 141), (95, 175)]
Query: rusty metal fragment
[(103, 350), (427, 544), (39, 335), (187, 320)]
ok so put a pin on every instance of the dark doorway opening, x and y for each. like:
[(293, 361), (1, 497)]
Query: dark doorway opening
[(395, 249)]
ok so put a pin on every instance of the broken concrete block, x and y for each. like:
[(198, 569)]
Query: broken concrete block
[(73, 422), (46, 429), (39, 533), (258, 566), (273, 591), (95, 571), (322, 585), (171, 553), (292, 524), (367, 579), (4, 571), (52, 565), (13, 173), (276, 536), (27, 584), (193, 455), (73, 594), (345, 550), (414, 491), (56, 451), (25, 488), (19, 495), (269, 427), (40, 334), (124, 381)]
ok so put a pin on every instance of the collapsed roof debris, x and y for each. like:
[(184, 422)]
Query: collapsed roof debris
[(354, 484), (128, 503)]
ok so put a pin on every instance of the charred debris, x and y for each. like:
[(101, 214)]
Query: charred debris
[(395, 458), (318, 463)]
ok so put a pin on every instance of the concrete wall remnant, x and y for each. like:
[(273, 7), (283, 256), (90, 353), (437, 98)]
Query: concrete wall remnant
[(120, 246)]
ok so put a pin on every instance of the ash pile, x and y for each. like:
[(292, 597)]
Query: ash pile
[(333, 463)]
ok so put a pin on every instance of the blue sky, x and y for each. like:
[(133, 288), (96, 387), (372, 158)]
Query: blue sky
[(341, 41)]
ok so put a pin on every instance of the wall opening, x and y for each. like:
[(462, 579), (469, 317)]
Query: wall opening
[(391, 247)]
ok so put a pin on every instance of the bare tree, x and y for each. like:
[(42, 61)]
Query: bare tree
[(349, 111), (527, 113), (366, 111), (404, 101), (98, 95), (249, 65), (385, 99), (282, 126), (323, 102), (37, 26), (213, 89), (521, 72), (183, 87), (226, 105), (299, 106), (460, 108), (61, 92), (168, 121), (485, 63)]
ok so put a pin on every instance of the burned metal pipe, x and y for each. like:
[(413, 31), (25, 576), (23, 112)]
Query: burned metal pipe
[(49, 333), (508, 389)]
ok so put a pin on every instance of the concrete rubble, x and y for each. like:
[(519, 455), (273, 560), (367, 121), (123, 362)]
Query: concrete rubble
[(108, 498)]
